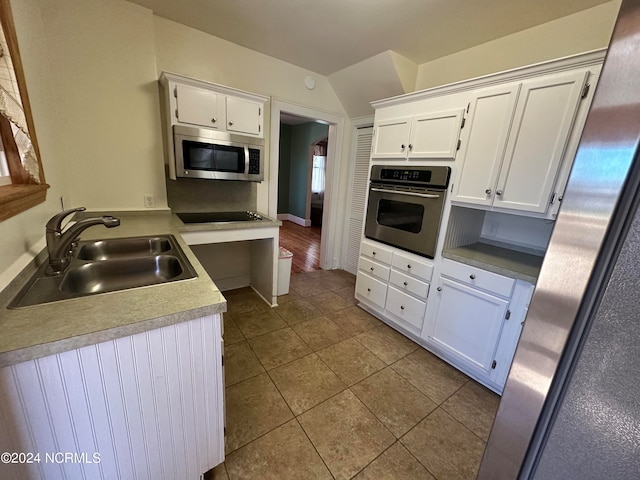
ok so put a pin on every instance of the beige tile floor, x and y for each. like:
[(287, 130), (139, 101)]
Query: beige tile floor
[(318, 388)]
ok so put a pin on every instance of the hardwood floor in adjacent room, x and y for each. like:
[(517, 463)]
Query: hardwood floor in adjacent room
[(304, 243)]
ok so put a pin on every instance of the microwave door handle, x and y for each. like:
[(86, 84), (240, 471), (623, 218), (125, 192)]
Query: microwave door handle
[(411, 194), (246, 160)]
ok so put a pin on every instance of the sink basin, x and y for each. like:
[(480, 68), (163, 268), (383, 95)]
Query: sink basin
[(109, 276), (111, 265), (123, 247)]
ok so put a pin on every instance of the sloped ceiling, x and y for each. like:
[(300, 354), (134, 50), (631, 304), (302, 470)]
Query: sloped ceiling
[(384, 75), (326, 36)]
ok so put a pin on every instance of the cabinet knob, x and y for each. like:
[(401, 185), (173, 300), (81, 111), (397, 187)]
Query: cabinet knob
[(372, 269), (498, 192), (488, 191), (368, 289), (409, 266), (472, 276), (373, 253), (230, 123), (402, 146), (214, 120), (410, 146), (439, 289), (405, 283), (401, 307)]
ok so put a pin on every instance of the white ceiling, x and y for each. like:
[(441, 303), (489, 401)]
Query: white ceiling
[(326, 36)]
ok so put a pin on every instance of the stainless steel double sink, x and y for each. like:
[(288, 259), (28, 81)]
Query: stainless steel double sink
[(101, 266)]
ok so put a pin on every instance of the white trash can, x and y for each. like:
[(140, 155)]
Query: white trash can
[(284, 271)]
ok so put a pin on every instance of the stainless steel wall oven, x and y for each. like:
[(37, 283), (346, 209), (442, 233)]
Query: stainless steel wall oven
[(405, 206)]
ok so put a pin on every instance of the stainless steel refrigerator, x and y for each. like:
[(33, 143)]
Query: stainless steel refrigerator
[(571, 405)]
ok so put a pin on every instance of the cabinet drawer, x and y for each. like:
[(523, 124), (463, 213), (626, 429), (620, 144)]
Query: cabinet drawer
[(409, 284), (373, 268), (479, 278), (376, 252), (404, 306), (371, 289), (408, 264)]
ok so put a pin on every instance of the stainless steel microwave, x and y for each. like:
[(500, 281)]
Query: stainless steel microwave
[(214, 155)]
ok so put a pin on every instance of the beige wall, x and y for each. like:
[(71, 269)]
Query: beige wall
[(583, 31), (92, 69), (23, 233)]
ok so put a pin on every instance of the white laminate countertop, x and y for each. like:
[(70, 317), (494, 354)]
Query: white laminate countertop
[(37, 331)]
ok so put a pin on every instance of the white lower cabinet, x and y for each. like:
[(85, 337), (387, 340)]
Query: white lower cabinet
[(146, 406), (468, 323), (474, 321), (395, 284), (370, 289), (405, 307)]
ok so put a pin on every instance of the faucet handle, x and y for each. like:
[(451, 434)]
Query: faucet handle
[(55, 223)]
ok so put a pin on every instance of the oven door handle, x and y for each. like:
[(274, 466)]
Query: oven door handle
[(412, 194)]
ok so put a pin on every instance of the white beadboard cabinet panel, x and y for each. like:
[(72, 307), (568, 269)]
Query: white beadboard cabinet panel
[(151, 405)]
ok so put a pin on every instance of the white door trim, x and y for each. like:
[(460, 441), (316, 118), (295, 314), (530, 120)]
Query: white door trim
[(329, 244)]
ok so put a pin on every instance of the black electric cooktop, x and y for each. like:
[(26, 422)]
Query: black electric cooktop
[(218, 217)]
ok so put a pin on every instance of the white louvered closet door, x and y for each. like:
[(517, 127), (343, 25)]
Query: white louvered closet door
[(359, 179)]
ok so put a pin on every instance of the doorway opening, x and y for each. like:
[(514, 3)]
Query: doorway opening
[(305, 144), (301, 188)]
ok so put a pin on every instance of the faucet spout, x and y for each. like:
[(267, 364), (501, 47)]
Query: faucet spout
[(60, 244)]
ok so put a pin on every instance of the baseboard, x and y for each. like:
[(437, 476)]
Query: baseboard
[(292, 218), (232, 283)]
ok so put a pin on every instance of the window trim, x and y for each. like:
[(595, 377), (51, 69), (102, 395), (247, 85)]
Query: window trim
[(20, 196)]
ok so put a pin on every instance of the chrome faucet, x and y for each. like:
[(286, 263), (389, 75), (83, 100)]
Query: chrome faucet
[(60, 244)]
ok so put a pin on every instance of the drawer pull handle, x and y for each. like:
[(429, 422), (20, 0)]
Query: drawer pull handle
[(439, 289), (372, 269), (472, 276), (214, 120), (368, 289), (405, 283), (401, 307), (373, 253)]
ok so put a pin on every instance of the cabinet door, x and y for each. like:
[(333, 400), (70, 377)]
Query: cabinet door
[(244, 116), (391, 138), (543, 119), (468, 323), (435, 135), (489, 121), (197, 106)]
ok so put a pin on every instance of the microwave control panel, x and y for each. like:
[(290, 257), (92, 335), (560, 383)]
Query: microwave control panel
[(254, 161)]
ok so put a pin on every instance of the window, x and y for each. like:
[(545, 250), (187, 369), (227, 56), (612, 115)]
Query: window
[(22, 184), (318, 166)]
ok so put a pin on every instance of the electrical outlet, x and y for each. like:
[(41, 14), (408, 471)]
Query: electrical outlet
[(149, 200)]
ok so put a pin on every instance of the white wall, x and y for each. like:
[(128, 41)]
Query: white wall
[(189, 52), (104, 75), (92, 69), (583, 31), (21, 235)]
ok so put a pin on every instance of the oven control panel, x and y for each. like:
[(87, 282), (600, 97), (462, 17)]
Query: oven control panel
[(437, 176)]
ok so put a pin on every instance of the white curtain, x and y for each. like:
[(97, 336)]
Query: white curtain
[(317, 174)]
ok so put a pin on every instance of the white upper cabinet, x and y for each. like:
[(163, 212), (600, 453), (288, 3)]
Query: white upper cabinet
[(197, 106), (517, 139), (490, 115), (193, 102), (244, 116), (429, 136)]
